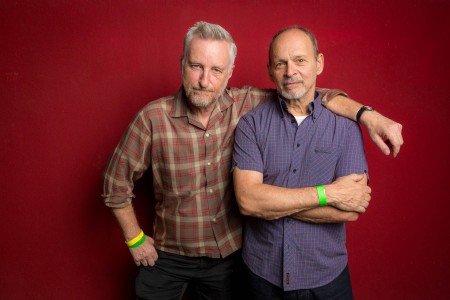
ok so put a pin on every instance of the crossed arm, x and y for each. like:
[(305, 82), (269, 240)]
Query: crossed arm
[(347, 197)]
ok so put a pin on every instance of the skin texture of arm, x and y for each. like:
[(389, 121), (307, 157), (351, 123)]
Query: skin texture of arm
[(271, 202), (145, 253), (385, 133), (328, 214)]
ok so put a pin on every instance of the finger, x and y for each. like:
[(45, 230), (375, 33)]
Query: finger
[(395, 151), (381, 144), (144, 263), (396, 139), (360, 178), (360, 209)]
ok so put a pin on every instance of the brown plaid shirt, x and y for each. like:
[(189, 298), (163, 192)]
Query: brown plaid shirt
[(196, 212)]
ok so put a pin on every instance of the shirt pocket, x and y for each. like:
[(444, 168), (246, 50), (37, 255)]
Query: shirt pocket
[(322, 165)]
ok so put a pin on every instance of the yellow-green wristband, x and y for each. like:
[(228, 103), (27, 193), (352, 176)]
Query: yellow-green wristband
[(322, 196), (138, 243), (135, 240)]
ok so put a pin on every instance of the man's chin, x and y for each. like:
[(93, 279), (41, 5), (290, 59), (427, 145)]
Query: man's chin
[(292, 96), (201, 101)]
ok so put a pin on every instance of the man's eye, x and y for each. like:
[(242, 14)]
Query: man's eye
[(217, 71), (196, 67)]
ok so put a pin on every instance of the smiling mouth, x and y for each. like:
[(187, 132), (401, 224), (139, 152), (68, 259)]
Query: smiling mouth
[(290, 85)]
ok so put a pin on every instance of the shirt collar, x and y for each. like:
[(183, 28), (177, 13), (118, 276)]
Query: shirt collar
[(315, 107)]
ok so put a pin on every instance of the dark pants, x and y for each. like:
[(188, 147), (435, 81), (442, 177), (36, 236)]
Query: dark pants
[(199, 277), (339, 289)]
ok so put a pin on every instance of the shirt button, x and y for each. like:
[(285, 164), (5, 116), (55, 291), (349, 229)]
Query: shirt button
[(207, 135), (295, 170), (208, 163), (298, 145), (214, 220), (210, 190)]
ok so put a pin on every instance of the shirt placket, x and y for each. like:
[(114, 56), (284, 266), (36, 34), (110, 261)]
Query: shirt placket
[(290, 261), (211, 141)]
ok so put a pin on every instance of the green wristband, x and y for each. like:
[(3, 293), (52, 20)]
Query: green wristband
[(138, 243), (322, 196)]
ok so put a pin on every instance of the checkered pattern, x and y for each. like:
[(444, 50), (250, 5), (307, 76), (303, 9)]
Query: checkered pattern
[(196, 213), (289, 253)]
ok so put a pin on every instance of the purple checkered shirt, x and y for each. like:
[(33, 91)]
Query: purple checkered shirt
[(289, 253)]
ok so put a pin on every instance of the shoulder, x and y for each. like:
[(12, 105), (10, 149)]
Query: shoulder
[(157, 107), (340, 120), (251, 91), (263, 109)]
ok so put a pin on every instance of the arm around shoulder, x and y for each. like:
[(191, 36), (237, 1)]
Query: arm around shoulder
[(384, 132)]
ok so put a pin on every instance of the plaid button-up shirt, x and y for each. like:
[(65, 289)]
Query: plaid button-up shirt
[(195, 212)]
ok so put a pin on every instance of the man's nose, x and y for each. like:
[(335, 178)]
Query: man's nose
[(204, 79), (290, 69)]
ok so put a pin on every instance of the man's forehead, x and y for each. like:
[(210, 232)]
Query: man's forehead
[(295, 42), (200, 40), (209, 48)]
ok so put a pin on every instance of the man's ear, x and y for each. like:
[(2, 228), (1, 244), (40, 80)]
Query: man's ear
[(320, 63), (269, 70), (231, 71)]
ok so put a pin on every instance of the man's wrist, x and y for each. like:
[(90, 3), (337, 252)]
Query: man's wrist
[(321, 195), (361, 111), (369, 119)]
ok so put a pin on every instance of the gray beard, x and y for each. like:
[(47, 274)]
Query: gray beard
[(201, 103), (288, 96)]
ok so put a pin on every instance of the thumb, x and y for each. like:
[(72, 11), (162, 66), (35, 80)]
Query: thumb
[(357, 177)]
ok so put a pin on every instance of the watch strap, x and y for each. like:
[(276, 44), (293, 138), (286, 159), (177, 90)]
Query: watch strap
[(361, 110)]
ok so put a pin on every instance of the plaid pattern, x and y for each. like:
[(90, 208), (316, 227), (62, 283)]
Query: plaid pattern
[(196, 213), (289, 253)]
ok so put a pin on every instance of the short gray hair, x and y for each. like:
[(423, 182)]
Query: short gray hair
[(206, 31)]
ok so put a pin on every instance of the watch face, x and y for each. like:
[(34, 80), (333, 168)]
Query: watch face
[(369, 108)]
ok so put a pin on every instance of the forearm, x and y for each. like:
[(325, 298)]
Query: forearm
[(348, 193), (127, 221), (272, 202), (328, 94), (267, 201), (325, 214), (343, 106), (145, 253)]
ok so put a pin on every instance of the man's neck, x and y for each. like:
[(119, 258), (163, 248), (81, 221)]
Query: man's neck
[(202, 113), (299, 107)]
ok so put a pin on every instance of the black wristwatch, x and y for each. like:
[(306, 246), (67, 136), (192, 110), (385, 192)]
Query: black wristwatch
[(361, 110)]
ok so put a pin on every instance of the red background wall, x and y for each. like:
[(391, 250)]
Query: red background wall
[(74, 73)]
